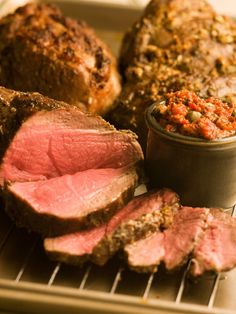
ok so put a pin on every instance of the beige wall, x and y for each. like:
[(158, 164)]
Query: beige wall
[(223, 6)]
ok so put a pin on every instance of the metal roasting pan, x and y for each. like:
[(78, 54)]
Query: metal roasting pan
[(30, 283)]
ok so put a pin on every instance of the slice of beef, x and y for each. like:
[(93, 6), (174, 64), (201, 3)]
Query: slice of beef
[(173, 246), (16, 107), (180, 239), (146, 254), (43, 51), (216, 251), (140, 217), (68, 203), (68, 141), (75, 248)]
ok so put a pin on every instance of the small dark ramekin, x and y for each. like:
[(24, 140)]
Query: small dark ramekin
[(202, 172)]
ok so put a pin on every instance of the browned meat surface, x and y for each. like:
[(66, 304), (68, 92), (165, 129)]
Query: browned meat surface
[(141, 216), (177, 44), (43, 51), (152, 229), (63, 169), (173, 246), (16, 107), (216, 251), (70, 202)]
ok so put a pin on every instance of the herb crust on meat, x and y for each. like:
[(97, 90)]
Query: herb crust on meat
[(177, 44), (43, 51)]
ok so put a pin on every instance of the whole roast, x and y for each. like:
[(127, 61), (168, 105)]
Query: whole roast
[(176, 44)]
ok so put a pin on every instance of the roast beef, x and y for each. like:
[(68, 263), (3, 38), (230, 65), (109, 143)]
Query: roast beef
[(216, 251), (16, 107), (141, 216), (68, 141), (70, 202), (180, 239), (173, 246), (74, 248), (146, 254), (176, 44), (43, 51), (48, 143)]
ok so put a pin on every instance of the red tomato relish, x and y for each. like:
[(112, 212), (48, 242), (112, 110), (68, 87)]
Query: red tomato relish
[(186, 113)]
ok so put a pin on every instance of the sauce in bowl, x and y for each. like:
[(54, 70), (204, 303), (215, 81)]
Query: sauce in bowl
[(191, 148), (185, 113)]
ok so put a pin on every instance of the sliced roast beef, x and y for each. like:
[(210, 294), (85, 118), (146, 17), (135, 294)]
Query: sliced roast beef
[(74, 248), (43, 139), (16, 107), (180, 239), (68, 141), (146, 254), (173, 246), (140, 217), (216, 251), (70, 202)]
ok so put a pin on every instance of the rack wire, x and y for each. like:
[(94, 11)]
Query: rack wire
[(34, 267), (151, 283)]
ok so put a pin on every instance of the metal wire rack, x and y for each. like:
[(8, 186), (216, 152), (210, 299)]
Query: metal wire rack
[(31, 283), (22, 260)]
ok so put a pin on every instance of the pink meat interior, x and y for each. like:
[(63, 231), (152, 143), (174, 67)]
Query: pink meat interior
[(217, 248), (181, 238), (172, 246), (79, 243), (47, 146), (70, 195), (146, 252), (141, 205)]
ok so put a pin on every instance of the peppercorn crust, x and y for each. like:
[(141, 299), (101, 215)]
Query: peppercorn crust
[(43, 51), (177, 44)]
